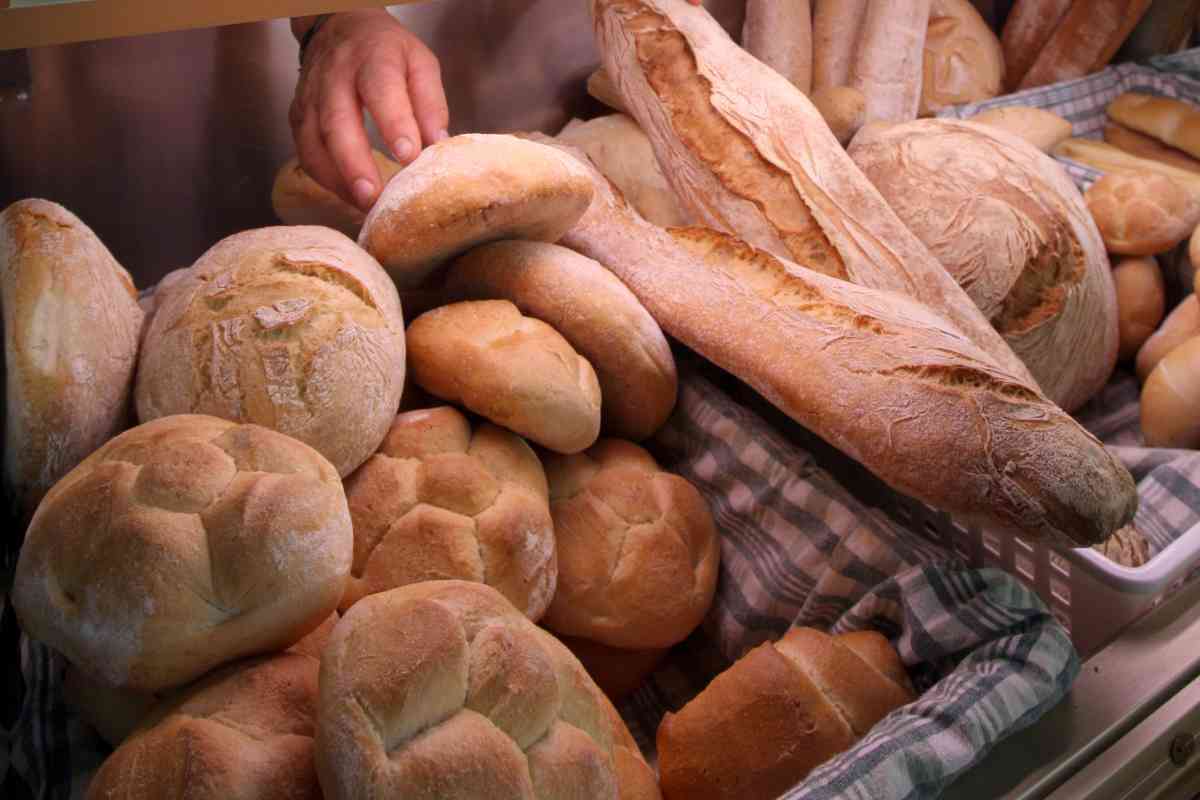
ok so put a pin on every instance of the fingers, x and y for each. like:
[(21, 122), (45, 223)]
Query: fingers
[(341, 127), (427, 94), (310, 150), (384, 88)]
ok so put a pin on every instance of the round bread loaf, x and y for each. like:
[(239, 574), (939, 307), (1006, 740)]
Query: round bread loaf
[(1171, 399), (468, 190), (71, 330), (444, 690), (1007, 222), (1180, 325), (293, 328), (300, 200), (593, 311), (638, 552), (180, 545), (616, 671), (442, 501), (1142, 213), (963, 60), (515, 370), (242, 733), (1141, 298)]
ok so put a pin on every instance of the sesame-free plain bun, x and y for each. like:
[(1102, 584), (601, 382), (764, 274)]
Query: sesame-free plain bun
[(300, 200)]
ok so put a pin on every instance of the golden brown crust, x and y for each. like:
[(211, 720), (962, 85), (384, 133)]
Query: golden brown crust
[(1041, 128), (1171, 399), (617, 672), (1139, 144), (1171, 121), (963, 62), (300, 200), (1180, 325), (1141, 300), (844, 110), (1084, 40), (1142, 214), (1027, 29)]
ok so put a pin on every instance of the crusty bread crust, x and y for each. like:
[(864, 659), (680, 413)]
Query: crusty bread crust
[(300, 200), (963, 62), (1029, 25), (779, 34)]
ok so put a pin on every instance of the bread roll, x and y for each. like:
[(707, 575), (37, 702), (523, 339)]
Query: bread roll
[(1008, 223), (595, 313), (963, 62), (515, 370), (1084, 40), (785, 708), (779, 34), (71, 329), (293, 328), (1180, 325), (637, 549), (300, 200), (617, 672), (844, 110), (466, 191), (1171, 399), (442, 501), (1028, 28), (1041, 128), (1106, 158), (623, 153), (889, 58), (837, 25), (243, 733), (1171, 121), (1127, 547), (878, 376), (1139, 144), (601, 87), (180, 545), (1141, 299), (444, 690), (1142, 214), (750, 155)]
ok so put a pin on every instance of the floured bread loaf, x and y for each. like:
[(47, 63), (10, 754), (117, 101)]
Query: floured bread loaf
[(300, 200), (293, 328), (444, 690), (71, 330), (466, 191), (1141, 213), (180, 545), (1011, 227), (594, 312), (515, 370), (441, 501), (638, 552), (963, 62)]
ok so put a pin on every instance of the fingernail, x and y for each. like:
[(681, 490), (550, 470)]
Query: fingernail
[(403, 148), (364, 191), (442, 134)]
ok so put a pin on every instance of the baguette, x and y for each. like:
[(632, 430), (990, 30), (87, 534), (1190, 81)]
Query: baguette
[(836, 26), (1171, 121), (779, 33), (1029, 26), (750, 155), (1106, 158), (878, 376), (1042, 129), (1143, 146), (889, 61), (1084, 41)]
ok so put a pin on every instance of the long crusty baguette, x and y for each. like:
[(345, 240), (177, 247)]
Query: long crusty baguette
[(889, 60), (1085, 40), (836, 24), (1106, 158), (1143, 146), (880, 377), (779, 33), (1029, 26), (1171, 121)]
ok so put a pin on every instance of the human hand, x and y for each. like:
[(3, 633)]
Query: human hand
[(364, 58)]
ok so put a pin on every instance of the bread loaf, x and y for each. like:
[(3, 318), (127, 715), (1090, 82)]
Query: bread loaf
[(785, 708), (1142, 214), (1171, 121), (444, 690), (512, 369), (1181, 324), (889, 383), (71, 330), (1141, 301), (749, 154), (180, 545), (844, 110), (1084, 40), (623, 153), (1127, 547), (594, 312), (1143, 146), (441, 501), (1008, 223), (1028, 28), (889, 58), (466, 191), (1166, 27), (300, 200), (292, 328), (836, 28), (1041, 128), (1171, 399), (601, 87), (243, 733), (963, 62), (1106, 158), (637, 549), (617, 672), (779, 34)]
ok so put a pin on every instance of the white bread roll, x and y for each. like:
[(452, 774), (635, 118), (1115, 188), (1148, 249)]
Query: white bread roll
[(594, 312), (844, 110), (71, 330), (300, 200), (963, 62), (293, 328), (1142, 214), (444, 691), (780, 711), (1171, 121), (779, 34), (1171, 399), (180, 545), (638, 552), (466, 191), (1011, 227), (1141, 301), (1041, 128), (515, 370), (1180, 325), (441, 501)]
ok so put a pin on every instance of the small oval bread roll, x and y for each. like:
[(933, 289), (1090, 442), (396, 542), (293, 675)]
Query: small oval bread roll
[(515, 370), (443, 691), (71, 330), (1141, 300), (963, 62), (180, 545), (844, 109), (300, 200), (1171, 399), (468, 190), (1180, 325), (1041, 128), (638, 552), (293, 328), (593, 311), (1142, 213), (441, 501)]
